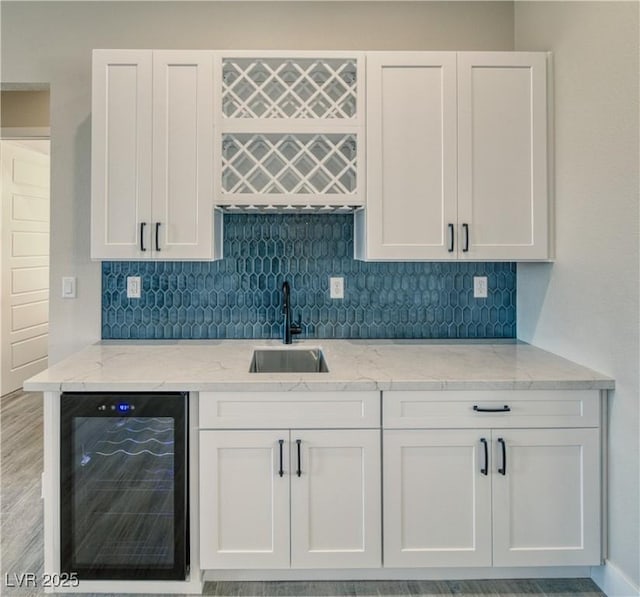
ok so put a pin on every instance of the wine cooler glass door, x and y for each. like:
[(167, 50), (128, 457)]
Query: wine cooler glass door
[(123, 486)]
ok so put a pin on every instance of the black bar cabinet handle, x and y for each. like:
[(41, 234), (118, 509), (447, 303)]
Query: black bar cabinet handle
[(503, 469), (485, 469), (299, 471), (157, 237), (503, 409), (281, 470), (451, 237), (142, 225), (465, 248)]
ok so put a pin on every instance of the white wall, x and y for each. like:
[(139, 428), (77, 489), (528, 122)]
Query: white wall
[(585, 307), (51, 42)]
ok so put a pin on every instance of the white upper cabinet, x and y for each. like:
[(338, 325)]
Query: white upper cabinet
[(457, 157), (182, 154), (502, 156), (411, 153), (152, 143), (121, 150), (455, 149), (290, 130)]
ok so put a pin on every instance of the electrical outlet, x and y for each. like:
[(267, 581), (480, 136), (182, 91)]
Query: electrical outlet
[(134, 286), (480, 287), (336, 288)]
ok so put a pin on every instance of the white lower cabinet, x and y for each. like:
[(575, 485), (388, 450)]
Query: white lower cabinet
[(437, 502), (467, 478), (546, 504), (501, 497), (492, 478), (244, 503), (335, 499), (289, 498)]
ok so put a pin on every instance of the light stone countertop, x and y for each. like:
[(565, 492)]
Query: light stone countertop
[(209, 365)]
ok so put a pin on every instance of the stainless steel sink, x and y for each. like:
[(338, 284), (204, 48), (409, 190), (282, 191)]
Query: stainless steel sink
[(297, 360)]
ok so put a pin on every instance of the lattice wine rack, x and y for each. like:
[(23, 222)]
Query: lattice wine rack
[(288, 88), (291, 129), (289, 164)]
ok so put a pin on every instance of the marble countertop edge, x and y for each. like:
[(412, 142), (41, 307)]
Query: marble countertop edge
[(316, 387), (380, 365)]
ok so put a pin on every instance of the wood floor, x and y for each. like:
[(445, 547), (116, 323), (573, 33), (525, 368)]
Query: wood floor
[(21, 545)]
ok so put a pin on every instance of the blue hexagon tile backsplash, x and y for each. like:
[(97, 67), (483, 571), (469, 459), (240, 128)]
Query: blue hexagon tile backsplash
[(240, 296)]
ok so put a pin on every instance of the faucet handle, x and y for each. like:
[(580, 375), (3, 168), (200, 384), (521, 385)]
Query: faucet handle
[(296, 328)]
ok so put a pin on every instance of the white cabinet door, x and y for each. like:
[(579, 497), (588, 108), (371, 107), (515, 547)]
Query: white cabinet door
[(437, 498), (502, 156), (152, 156), (182, 155), (121, 154), (335, 500), (546, 498), (456, 157), (244, 502), (411, 157)]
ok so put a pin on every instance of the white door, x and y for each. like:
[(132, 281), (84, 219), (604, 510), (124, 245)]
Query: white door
[(437, 498), (244, 501), (502, 156), (335, 499), (411, 158), (546, 499), (24, 316), (182, 155), (121, 154)]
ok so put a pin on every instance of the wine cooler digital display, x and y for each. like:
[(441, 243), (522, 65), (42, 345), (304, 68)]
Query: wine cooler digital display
[(123, 486)]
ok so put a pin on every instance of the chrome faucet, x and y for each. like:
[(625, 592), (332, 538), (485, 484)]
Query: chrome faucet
[(290, 329)]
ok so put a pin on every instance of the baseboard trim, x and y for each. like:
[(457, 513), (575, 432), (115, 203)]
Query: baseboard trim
[(613, 582), (399, 574)]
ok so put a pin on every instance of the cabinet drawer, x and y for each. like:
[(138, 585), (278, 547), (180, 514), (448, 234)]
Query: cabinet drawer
[(303, 410), (512, 408)]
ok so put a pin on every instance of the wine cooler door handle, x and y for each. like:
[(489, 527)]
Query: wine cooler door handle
[(142, 247), (503, 469), (485, 469), (299, 470), (281, 469)]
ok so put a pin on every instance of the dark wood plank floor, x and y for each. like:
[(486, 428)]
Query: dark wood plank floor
[(21, 542)]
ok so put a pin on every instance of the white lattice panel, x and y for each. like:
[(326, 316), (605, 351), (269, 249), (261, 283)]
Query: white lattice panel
[(309, 88), (289, 164)]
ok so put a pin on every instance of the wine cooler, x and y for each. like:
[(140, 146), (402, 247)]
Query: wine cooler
[(123, 486)]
